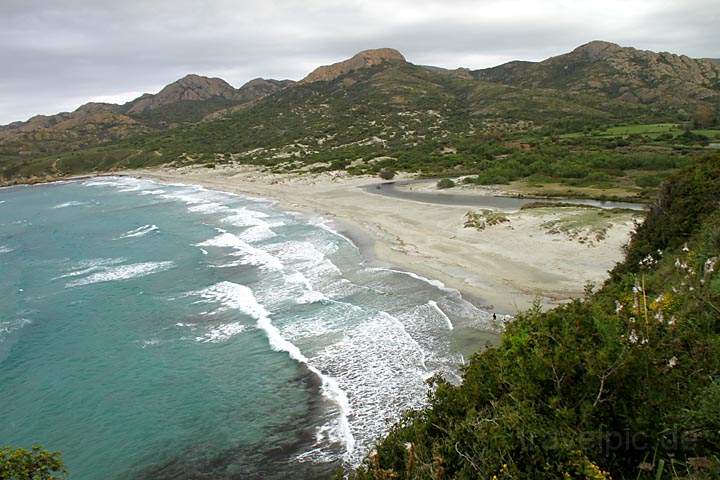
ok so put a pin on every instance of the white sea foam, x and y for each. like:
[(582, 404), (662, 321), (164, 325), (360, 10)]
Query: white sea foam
[(73, 203), (190, 196), (298, 278), (221, 333), (88, 266), (240, 297), (304, 257), (140, 231), (380, 367), (154, 191), (209, 208), (311, 296), (435, 283), (5, 249), (434, 304), (123, 184), (322, 223), (257, 233), (245, 217), (251, 255), (409, 338), (10, 326), (121, 272), (108, 181)]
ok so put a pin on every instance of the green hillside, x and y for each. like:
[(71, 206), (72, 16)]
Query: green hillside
[(623, 384), (419, 119)]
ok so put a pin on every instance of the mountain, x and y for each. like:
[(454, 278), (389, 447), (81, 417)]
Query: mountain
[(611, 71), (188, 88), (374, 104), (364, 59), (258, 88), (187, 100)]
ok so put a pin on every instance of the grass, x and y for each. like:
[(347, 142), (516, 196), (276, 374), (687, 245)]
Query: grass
[(584, 225), (622, 191), (484, 218)]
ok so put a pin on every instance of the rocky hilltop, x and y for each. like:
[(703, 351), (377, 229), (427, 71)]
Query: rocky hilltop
[(609, 70), (189, 99), (364, 59), (188, 88)]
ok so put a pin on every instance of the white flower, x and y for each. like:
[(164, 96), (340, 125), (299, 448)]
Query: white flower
[(672, 363), (633, 337), (618, 307), (408, 446), (685, 248), (709, 266), (672, 320), (648, 261)]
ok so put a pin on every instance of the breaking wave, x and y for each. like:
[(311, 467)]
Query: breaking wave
[(120, 272), (139, 232)]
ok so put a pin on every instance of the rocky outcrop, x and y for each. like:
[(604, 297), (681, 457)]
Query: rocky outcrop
[(364, 59), (613, 71), (258, 88), (190, 87)]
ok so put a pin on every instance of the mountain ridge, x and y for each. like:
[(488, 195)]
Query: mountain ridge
[(374, 103), (607, 69)]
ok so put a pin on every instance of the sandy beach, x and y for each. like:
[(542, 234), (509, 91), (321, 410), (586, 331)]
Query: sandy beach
[(503, 267)]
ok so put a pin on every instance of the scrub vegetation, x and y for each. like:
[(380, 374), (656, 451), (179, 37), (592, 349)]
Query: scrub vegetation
[(624, 383)]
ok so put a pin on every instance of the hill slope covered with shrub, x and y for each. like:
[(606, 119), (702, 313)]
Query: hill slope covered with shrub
[(622, 384)]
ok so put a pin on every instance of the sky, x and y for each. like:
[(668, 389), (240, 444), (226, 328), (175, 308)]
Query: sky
[(59, 54)]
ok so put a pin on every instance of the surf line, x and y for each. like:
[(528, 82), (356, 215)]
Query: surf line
[(434, 304), (243, 298)]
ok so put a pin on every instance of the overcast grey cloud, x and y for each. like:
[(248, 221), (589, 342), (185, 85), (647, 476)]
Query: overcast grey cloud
[(59, 54)]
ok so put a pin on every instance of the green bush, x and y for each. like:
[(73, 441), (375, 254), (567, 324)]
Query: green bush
[(35, 464), (445, 183), (648, 181), (386, 174)]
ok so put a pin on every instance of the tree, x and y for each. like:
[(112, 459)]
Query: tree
[(704, 116), (35, 464), (387, 174)]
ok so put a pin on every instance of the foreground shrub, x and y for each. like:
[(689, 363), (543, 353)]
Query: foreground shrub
[(35, 464), (623, 384)]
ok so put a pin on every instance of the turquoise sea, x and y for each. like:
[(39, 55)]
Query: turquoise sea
[(169, 331)]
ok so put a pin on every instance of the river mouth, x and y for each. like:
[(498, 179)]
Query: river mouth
[(496, 202)]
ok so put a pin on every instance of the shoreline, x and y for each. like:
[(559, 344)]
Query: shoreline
[(366, 244), (503, 269)]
